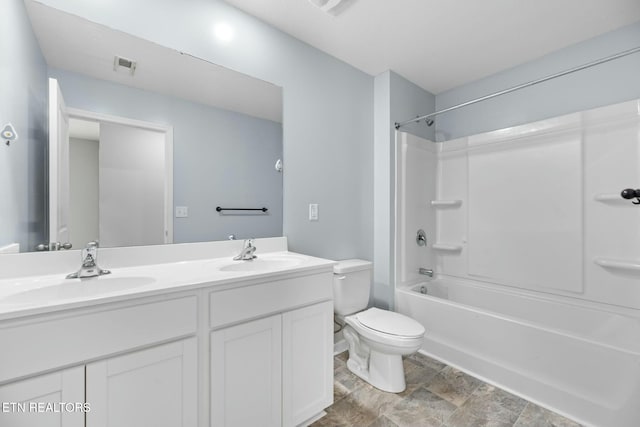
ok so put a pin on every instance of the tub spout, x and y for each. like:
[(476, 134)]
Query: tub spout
[(426, 271)]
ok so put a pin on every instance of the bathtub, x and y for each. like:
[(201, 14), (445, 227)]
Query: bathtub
[(571, 357)]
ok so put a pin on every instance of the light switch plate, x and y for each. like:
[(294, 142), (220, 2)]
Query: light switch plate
[(182, 211)]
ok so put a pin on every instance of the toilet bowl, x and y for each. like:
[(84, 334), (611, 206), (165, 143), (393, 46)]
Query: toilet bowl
[(377, 339)]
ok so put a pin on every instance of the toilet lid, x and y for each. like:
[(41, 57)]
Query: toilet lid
[(390, 322)]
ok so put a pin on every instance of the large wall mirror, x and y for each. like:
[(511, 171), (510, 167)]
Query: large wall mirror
[(127, 142)]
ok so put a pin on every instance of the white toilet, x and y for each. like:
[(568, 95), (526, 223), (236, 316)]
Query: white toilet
[(377, 338)]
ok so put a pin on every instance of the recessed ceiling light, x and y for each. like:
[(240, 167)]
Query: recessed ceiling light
[(333, 7), (223, 32)]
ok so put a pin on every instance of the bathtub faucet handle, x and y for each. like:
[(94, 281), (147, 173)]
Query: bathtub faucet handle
[(421, 238), (426, 271)]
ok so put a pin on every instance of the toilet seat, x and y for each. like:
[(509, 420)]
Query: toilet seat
[(389, 323)]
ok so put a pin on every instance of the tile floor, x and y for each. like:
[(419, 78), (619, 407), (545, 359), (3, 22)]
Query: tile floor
[(437, 395)]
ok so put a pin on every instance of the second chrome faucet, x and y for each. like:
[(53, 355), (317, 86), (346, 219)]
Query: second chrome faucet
[(247, 252)]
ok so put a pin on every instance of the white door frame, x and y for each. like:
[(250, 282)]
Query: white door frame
[(58, 172), (168, 155)]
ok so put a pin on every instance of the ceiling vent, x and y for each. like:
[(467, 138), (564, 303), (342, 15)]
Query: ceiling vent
[(332, 7), (125, 65)]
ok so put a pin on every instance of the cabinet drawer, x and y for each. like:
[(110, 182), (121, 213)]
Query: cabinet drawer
[(50, 342), (248, 302)]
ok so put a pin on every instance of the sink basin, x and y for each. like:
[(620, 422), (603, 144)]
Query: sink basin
[(77, 288), (263, 264)]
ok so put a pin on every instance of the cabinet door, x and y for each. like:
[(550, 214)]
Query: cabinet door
[(19, 398), (246, 374), (156, 387), (307, 362)]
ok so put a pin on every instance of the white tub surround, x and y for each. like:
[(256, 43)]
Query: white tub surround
[(542, 253), (186, 343)]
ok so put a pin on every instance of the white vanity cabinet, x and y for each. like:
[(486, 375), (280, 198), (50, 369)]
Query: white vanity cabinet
[(66, 385), (276, 370), (307, 362), (155, 387), (246, 374), (208, 343), (135, 364), (151, 387)]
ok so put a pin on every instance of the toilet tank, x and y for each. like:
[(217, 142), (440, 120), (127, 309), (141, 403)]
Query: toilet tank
[(351, 286)]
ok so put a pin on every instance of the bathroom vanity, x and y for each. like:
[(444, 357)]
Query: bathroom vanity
[(192, 342)]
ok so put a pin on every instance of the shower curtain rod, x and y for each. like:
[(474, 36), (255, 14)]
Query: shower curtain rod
[(398, 125)]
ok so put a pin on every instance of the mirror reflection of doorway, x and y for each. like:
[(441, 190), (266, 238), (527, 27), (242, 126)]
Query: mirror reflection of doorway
[(117, 177)]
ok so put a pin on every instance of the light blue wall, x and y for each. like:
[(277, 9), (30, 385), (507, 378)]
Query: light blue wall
[(396, 99), (328, 111), (410, 100), (24, 98), (221, 158), (609, 83)]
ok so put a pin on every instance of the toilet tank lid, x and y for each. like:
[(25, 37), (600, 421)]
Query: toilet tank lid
[(351, 265)]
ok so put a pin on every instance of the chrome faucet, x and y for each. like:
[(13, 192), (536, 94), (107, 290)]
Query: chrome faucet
[(246, 254), (426, 271), (89, 267)]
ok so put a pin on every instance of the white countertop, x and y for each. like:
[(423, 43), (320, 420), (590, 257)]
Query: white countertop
[(29, 295)]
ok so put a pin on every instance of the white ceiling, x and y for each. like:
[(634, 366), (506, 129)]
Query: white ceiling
[(72, 43), (442, 44)]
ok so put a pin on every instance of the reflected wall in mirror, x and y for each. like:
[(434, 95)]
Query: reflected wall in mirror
[(120, 182), (226, 131)]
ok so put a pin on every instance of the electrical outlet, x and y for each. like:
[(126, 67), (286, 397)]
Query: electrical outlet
[(313, 212), (182, 211)]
